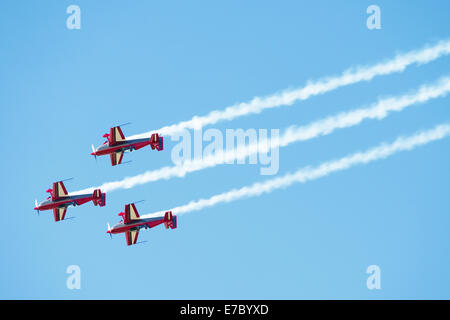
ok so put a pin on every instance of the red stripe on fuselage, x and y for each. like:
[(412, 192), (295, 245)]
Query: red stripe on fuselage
[(132, 225), (125, 145), (69, 200)]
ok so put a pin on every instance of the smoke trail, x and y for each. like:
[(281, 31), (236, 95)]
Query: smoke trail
[(287, 98), (378, 110), (307, 174)]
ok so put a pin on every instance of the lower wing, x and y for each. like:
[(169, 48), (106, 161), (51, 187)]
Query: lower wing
[(131, 236), (116, 157), (59, 213)]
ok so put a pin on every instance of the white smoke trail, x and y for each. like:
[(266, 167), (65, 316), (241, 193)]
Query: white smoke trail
[(288, 97), (307, 174), (378, 110)]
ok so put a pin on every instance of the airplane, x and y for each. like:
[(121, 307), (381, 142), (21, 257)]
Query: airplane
[(117, 144), (132, 223), (59, 200)]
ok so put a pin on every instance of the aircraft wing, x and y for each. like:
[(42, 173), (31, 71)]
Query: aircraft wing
[(116, 135), (131, 236), (116, 157), (59, 190), (59, 213), (131, 213)]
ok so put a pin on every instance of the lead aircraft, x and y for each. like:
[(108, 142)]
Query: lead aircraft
[(116, 144)]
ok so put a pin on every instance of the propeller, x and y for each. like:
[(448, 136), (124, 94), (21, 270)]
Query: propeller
[(36, 206), (109, 230), (93, 152)]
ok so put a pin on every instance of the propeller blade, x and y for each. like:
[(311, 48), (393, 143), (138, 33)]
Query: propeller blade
[(93, 151), (109, 230), (36, 206)]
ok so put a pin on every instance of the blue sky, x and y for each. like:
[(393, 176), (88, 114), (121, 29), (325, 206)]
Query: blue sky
[(157, 64)]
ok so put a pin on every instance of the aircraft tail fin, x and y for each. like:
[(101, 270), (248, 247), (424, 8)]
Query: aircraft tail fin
[(170, 221), (99, 198), (157, 142)]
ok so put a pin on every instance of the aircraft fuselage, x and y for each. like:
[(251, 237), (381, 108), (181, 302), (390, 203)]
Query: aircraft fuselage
[(137, 224), (126, 145), (64, 202)]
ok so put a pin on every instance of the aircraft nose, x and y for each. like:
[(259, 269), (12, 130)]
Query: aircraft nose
[(94, 151)]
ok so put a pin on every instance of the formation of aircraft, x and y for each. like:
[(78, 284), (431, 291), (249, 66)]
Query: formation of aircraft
[(131, 223), (59, 200), (116, 144)]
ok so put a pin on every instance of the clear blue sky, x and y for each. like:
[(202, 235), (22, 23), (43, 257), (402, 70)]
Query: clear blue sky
[(157, 64)]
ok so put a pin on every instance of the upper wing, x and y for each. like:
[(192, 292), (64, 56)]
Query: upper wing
[(59, 190), (116, 157), (131, 236), (131, 213), (59, 213), (116, 135)]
